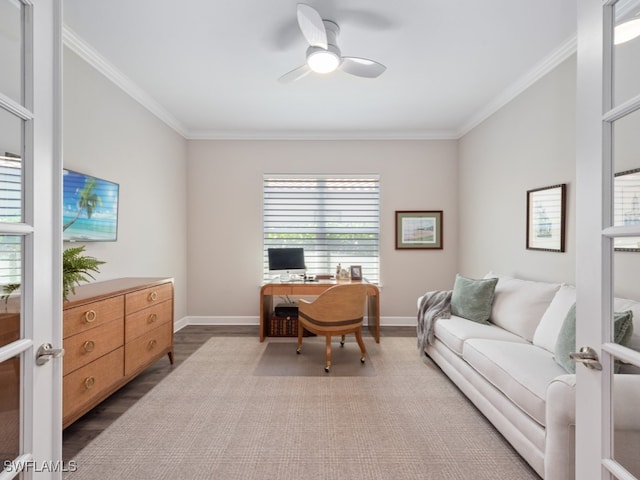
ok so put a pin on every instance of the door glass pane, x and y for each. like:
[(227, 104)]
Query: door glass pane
[(10, 330), (625, 331), (11, 143), (9, 409), (10, 271), (626, 158), (626, 51), (626, 420), (11, 44)]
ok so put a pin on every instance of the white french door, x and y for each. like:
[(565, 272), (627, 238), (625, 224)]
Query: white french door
[(608, 236), (30, 239)]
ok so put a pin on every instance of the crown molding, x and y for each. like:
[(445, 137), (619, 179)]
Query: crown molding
[(540, 70), (321, 135), (97, 61), (106, 68)]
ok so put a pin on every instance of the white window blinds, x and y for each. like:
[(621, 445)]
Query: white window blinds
[(10, 212), (335, 218)]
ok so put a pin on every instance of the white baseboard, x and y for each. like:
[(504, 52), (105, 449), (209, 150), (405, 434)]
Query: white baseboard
[(201, 320)]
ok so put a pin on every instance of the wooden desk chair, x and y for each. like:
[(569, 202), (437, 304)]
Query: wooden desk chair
[(338, 310)]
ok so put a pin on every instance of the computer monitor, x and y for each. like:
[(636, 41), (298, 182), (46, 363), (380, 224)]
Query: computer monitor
[(288, 261)]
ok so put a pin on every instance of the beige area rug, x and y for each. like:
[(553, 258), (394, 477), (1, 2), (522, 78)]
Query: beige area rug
[(213, 419), (280, 359)]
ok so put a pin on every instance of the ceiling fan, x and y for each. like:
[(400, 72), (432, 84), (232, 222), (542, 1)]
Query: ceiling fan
[(323, 54)]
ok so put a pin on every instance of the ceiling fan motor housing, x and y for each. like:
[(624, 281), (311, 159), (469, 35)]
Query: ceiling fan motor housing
[(322, 60)]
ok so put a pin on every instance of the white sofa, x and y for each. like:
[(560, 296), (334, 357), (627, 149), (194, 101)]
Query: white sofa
[(507, 369)]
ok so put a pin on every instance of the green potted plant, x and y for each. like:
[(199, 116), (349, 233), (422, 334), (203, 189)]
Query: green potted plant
[(76, 268)]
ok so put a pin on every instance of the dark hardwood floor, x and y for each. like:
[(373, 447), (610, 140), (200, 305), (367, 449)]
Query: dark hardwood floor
[(186, 341)]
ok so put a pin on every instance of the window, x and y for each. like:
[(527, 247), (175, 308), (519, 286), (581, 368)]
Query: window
[(335, 218)]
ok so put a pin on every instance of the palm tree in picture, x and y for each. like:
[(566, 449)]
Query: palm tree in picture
[(88, 201)]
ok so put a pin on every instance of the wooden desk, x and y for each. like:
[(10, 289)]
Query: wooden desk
[(276, 288)]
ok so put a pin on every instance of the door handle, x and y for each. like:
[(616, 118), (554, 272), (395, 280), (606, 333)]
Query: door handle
[(587, 356), (46, 352)]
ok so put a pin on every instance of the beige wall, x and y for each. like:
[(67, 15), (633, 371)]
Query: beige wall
[(109, 135), (528, 144), (225, 214)]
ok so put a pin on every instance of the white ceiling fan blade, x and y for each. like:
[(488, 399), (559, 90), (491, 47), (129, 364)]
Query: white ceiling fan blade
[(362, 67), (295, 74), (311, 26)]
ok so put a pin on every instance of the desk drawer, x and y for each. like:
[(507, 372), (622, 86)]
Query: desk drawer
[(146, 320), (90, 315), (85, 384), (87, 346), (147, 297), (147, 348)]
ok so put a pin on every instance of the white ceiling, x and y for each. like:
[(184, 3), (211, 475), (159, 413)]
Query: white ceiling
[(209, 68)]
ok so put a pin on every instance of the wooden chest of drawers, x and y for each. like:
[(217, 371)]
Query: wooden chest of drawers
[(112, 331)]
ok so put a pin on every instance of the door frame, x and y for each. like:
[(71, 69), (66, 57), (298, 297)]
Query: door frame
[(595, 236)]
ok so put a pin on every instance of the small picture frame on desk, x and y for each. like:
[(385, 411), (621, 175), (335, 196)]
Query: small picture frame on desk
[(356, 272)]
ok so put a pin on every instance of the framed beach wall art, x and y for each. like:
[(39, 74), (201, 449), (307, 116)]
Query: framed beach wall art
[(546, 208), (626, 207), (419, 229)]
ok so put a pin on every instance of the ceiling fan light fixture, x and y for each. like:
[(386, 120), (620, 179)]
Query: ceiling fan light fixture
[(627, 31), (323, 61)]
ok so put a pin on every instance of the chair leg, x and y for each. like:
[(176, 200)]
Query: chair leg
[(363, 350), (342, 340), (328, 367), (300, 331)]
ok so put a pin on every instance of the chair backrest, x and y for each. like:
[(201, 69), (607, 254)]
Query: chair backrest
[(341, 302)]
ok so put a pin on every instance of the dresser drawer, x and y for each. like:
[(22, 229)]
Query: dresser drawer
[(87, 346), (147, 297), (85, 384), (90, 315), (145, 320), (147, 348)]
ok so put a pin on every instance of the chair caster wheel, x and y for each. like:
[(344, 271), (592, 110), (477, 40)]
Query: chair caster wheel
[(298, 350), (327, 369), (342, 343), (362, 360)]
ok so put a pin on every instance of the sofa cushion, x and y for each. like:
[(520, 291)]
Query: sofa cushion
[(518, 305), (455, 330), (472, 299), (548, 329), (521, 371), (622, 331)]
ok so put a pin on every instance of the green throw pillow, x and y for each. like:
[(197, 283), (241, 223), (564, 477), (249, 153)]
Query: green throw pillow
[(472, 299), (566, 343)]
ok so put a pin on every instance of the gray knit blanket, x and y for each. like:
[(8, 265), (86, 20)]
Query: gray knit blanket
[(433, 305)]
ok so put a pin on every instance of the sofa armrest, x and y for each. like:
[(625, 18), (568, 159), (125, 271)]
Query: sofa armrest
[(560, 418)]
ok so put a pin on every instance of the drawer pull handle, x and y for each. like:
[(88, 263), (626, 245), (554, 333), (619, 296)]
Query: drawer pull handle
[(153, 296), (152, 344), (152, 318), (90, 316), (89, 382), (89, 346)]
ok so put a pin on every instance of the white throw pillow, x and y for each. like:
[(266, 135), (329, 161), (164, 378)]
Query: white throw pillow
[(518, 305), (548, 329)]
